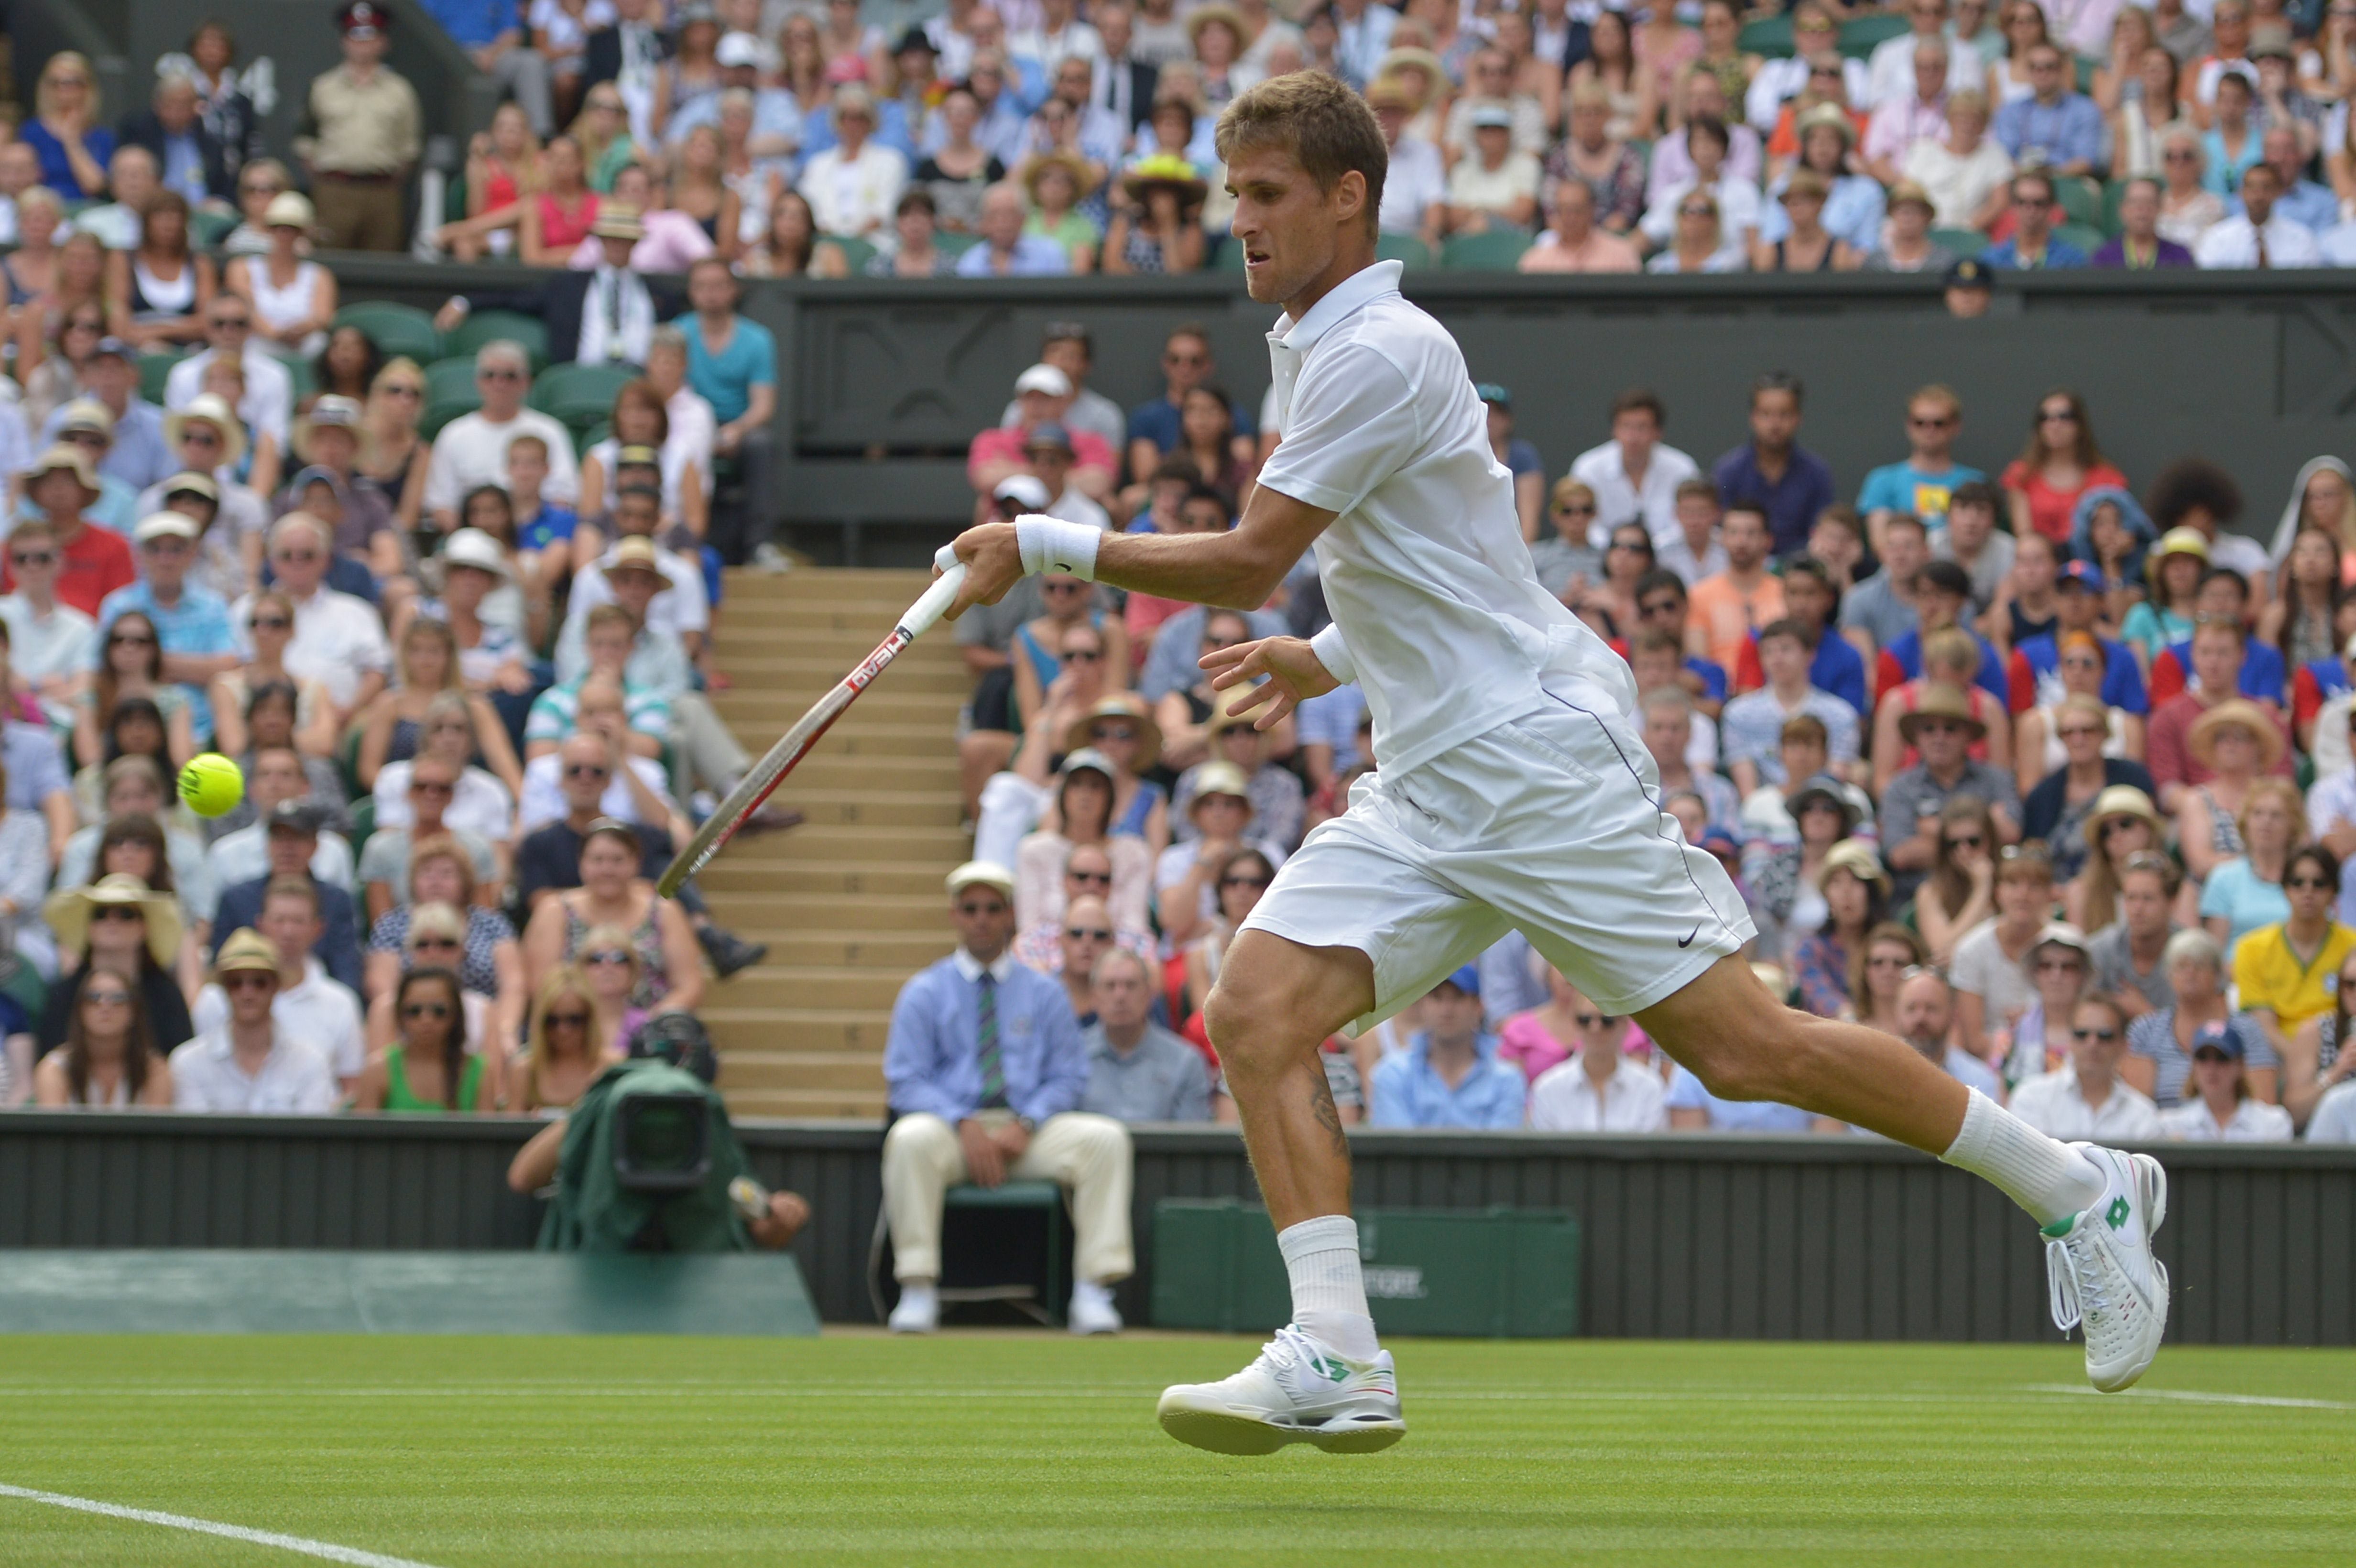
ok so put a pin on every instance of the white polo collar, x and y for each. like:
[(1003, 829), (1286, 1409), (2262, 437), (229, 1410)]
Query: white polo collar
[(1352, 293)]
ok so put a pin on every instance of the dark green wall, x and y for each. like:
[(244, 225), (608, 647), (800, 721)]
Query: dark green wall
[(1685, 1235)]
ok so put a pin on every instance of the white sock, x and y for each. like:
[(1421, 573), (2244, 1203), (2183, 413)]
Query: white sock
[(1329, 1294), (2043, 1175)]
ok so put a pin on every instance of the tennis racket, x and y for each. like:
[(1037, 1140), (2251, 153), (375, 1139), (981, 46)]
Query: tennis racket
[(795, 744)]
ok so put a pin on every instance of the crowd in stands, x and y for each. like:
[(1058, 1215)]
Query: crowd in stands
[(1023, 137), (2046, 772)]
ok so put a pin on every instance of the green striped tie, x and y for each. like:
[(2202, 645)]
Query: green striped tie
[(993, 1072)]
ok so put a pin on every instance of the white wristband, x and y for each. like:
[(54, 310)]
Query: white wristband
[(1334, 654), (1052, 545)]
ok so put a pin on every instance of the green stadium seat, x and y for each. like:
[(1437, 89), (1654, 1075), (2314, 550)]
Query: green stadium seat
[(580, 394), (2085, 236), (207, 229), (301, 377), (1407, 249), (1230, 257), (586, 436), (1495, 250), (153, 370), (1769, 36), (856, 253), (489, 326), (2113, 193), (1858, 38), (395, 329), (2082, 200), (1961, 242), (953, 244), (449, 392)]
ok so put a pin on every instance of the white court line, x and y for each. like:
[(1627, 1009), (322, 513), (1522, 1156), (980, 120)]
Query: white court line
[(322, 1549), (2196, 1396)]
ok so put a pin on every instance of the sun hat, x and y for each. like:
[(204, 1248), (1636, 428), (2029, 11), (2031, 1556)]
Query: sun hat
[(191, 483), (618, 223), (1164, 169), (2236, 711), (985, 873), (1857, 858), (1826, 788), (74, 461), (87, 413), (1071, 163), (1905, 191), (247, 949), (1088, 759), (1125, 705), (208, 408), (2118, 801), (289, 209), (1202, 17), (159, 524), (69, 911), (637, 552), (1941, 700), (473, 547), (1218, 778), (2181, 540), (1833, 116)]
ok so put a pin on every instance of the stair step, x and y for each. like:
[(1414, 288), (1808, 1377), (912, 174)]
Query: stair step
[(838, 1029), (900, 953), (808, 1107), (856, 1071), (936, 777), (754, 915), (839, 842), (886, 808), (918, 881), (825, 986)]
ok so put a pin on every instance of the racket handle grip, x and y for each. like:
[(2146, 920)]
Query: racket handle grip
[(927, 611)]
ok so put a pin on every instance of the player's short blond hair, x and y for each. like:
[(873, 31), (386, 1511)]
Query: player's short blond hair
[(1326, 128)]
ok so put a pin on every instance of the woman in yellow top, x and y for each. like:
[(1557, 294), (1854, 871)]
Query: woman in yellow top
[(2284, 974)]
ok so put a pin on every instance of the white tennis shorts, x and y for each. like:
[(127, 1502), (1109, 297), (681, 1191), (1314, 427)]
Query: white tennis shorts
[(1550, 825)]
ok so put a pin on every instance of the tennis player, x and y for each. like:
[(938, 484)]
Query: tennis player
[(1512, 792)]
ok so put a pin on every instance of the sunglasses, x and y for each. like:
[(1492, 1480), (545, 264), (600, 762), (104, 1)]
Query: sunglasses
[(106, 999), (2106, 1034), (498, 375), (1966, 841), (33, 557), (2081, 733), (401, 389), (1576, 509), (130, 640), (2050, 416), (1102, 878), (238, 323), (438, 942), (424, 786), (1695, 212), (606, 955), (1084, 932), (2058, 965), (248, 980), (267, 622), (1595, 1020), (199, 437), (1083, 656), (1113, 733), (587, 771), (1243, 882), (117, 911), (2121, 825), (567, 1021), (1886, 962), (2306, 884), (426, 1011), (1661, 607), (298, 556)]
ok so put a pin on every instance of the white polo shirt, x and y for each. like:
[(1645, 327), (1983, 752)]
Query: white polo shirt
[(544, 793), (1434, 600), (295, 1078), (2051, 1103), (63, 641), (2334, 1121), (269, 400), (338, 639), (322, 1012), (1619, 500), (243, 854), (2253, 1122), (480, 804), (1564, 1101)]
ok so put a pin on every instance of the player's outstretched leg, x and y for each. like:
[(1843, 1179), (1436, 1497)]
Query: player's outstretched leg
[(2099, 1207), (1323, 1378)]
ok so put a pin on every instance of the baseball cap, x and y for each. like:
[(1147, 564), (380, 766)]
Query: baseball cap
[(1088, 759), (1465, 978), (1044, 378), (475, 549), (1491, 392), (363, 19), (334, 409), (982, 873), (1047, 432), (2083, 574), (2061, 933), (738, 49), (1971, 272), (913, 40), (1025, 489), (1218, 778), (2220, 1036), (289, 209), (296, 817), (116, 349), (160, 525)]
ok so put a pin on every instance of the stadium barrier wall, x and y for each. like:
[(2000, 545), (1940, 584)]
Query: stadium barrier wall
[(886, 382), (1685, 1235)]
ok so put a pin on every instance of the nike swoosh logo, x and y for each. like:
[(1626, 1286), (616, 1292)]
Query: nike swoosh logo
[(1687, 941)]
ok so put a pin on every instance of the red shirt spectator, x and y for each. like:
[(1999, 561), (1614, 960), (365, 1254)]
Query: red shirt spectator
[(92, 562)]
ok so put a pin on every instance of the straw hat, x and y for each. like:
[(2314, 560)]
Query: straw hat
[(1071, 163), (72, 460), (1831, 115), (247, 949), (1905, 191), (1122, 705), (209, 409), (2248, 715), (1204, 16), (68, 909), (2182, 541), (329, 411), (634, 552), (618, 223), (1410, 58), (1165, 168), (2122, 800), (1940, 700), (1218, 778), (1227, 711), (289, 209), (1859, 860)]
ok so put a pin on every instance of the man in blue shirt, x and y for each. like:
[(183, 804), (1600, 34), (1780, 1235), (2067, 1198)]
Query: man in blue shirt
[(985, 1065), (1771, 471), (2033, 247), (1448, 1075), (1153, 425), (1942, 593), (191, 620), (1834, 664), (2053, 125), (2035, 676), (1922, 486), (731, 363), (1006, 252), (134, 450), (2303, 201), (491, 32)]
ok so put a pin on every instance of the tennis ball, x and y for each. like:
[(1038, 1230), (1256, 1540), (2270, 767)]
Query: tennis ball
[(211, 784)]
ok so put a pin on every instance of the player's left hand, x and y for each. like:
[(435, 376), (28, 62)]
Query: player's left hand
[(994, 564), (1286, 669)]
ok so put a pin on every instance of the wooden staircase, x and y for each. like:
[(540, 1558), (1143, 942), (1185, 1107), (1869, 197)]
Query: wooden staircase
[(851, 902)]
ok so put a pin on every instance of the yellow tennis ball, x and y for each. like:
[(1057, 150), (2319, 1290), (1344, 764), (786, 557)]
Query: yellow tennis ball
[(211, 784)]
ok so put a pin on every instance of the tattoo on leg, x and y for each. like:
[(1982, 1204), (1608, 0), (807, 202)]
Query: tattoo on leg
[(1329, 1116)]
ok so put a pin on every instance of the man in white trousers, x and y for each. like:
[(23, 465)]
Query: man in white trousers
[(1491, 706)]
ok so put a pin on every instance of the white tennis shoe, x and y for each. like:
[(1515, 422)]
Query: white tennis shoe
[(1301, 1389), (2100, 1274)]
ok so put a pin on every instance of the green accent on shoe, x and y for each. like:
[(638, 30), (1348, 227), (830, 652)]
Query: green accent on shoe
[(2118, 1211), (2059, 1228)]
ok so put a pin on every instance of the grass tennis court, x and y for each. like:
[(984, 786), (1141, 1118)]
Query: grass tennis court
[(1030, 1448)]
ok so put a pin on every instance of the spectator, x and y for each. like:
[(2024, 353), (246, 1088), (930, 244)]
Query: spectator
[(2129, 953), (109, 1060), (1450, 1074), (268, 404), (433, 1050), (1941, 728), (471, 450), (2224, 1111), (611, 895), (1727, 606), (2188, 207), (317, 1009), (2245, 893), (986, 1067), (394, 728), (2283, 974), (2035, 1041), (1893, 953), (1006, 249), (1809, 598), (20, 178), (92, 561), (1415, 186), (1083, 824), (128, 451), (252, 1063), (1634, 477), (2162, 1038), (1752, 726), (853, 184), (1186, 875), (1001, 453), (2232, 145), (1856, 892), (2140, 246), (2057, 806), (269, 626), (2053, 124), (2194, 493), (64, 129), (157, 287), (243, 853), (2258, 235), (1600, 1090), (1925, 1009), (337, 639), (1137, 1070), (51, 646), (1668, 732), (1900, 120), (2086, 1097), (1069, 347), (1791, 485), (293, 844), (1156, 428), (2034, 246), (449, 730), (1572, 242), (24, 858), (1991, 966), (1854, 205), (1922, 486), (493, 35), (732, 366), (1274, 790), (1695, 553), (115, 926), (603, 315), (1889, 69), (1242, 879), (571, 1043), (384, 873), (1537, 1039), (2181, 766), (1158, 228), (190, 622)]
